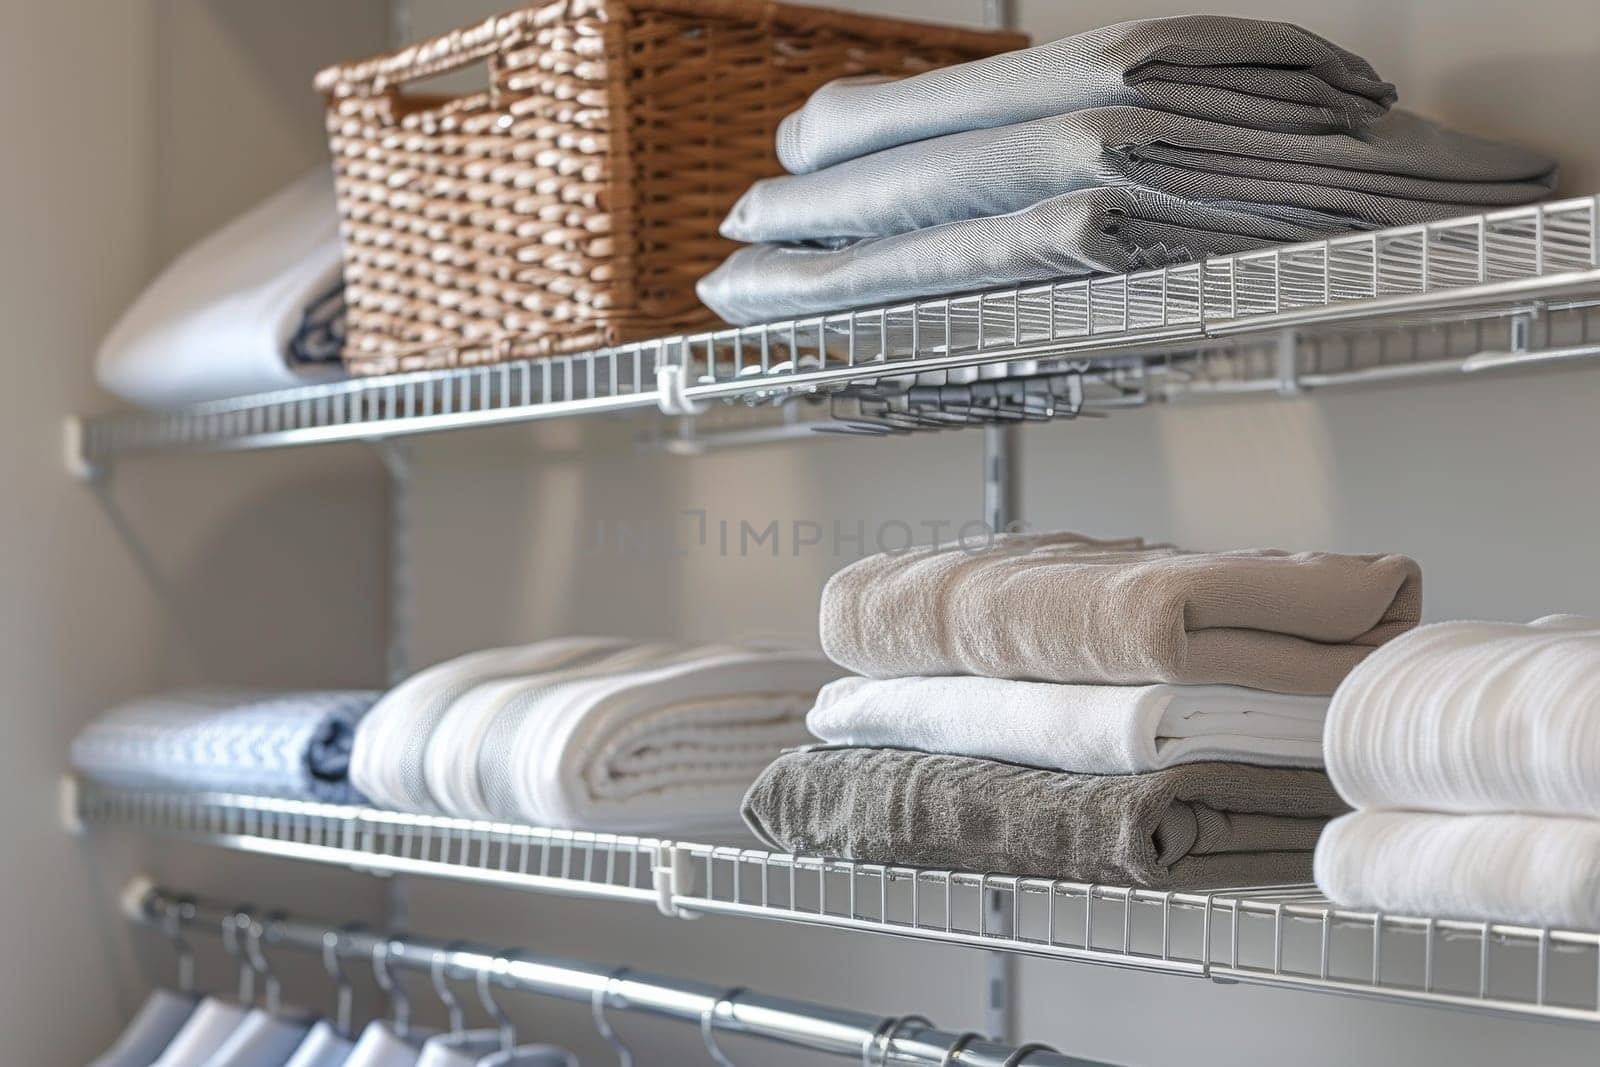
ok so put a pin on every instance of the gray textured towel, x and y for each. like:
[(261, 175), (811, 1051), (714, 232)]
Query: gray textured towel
[(1090, 232), (1400, 170), (1198, 826), (1060, 607), (1270, 75)]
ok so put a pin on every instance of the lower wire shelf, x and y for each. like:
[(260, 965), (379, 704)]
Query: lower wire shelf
[(1281, 936)]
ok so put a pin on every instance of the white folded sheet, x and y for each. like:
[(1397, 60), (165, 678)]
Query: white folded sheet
[(486, 714), (221, 320), (387, 762), (1536, 869), (1473, 717), (663, 749), (1089, 729)]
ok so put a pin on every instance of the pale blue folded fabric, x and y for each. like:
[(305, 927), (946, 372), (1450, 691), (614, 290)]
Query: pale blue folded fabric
[(293, 745)]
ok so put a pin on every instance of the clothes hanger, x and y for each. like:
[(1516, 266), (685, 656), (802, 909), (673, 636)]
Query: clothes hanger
[(231, 925), (441, 986), (393, 991), (1022, 1052), (952, 1055), (172, 925), (344, 994), (707, 1029), (259, 963), (597, 1009), (501, 965), (875, 1053)]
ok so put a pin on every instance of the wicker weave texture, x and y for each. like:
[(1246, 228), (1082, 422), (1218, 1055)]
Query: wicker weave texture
[(574, 202)]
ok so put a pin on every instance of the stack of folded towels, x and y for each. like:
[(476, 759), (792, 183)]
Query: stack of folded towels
[(276, 744), (1099, 711), (1471, 751), (588, 733), (1133, 145)]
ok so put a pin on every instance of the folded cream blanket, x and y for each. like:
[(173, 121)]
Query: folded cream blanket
[(1271, 75), (1093, 231), (387, 761), (654, 740), (1401, 170), (1535, 869), (1201, 825), (1090, 729), (1474, 717), (1061, 607)]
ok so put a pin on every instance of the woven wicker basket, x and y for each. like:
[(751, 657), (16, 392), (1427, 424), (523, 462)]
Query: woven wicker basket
[(574, 203)]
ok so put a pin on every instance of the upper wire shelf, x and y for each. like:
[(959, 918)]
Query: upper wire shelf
[(1285, 936), (1154, 334)]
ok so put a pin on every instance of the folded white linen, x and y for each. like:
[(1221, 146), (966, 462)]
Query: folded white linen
[(387, 763), (1473, 717), (1089, 729), (1537, 869), (450, 758), (222, 320), (662, 748)]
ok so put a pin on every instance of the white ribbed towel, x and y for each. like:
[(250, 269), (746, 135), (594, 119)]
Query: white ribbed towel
[(1090, 729), (387, 762), (481, 715), (653, 738), (1536, 869), (1473, 717)]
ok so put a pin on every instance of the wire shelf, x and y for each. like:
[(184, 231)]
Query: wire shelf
[(567, 862), (1512, 265), (1285, 936)]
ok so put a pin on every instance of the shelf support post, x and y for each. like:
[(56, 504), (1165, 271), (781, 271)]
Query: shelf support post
[(1001, 508)]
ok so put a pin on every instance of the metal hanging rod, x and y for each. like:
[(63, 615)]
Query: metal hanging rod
[(869, 1039)]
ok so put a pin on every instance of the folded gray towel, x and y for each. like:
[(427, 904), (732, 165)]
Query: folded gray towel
[(1090, 232), (1198, 826), (1270, 75), (1401, 170), (1059, 607)]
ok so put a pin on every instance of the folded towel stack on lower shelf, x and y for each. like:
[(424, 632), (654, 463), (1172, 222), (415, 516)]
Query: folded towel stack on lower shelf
[(278, 744), (1471, 751), (1134, 145), (588, 733), (1102, 711)]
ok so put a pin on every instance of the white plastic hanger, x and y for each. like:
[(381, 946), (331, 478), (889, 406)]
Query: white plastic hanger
[(164, 1012)]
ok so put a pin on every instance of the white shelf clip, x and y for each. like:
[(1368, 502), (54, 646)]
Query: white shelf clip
[(672, 874), (672, 382), (68, 811), (78, 464)]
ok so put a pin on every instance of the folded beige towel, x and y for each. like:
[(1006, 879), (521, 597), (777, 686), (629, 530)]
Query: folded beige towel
[(1061, 607), (1197, 826)]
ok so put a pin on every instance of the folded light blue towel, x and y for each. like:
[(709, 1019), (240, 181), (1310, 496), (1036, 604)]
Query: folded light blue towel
[(282, 744)]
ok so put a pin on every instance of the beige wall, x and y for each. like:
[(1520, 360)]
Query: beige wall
[(130, 128)]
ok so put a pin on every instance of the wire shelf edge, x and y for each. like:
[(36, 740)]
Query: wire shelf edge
[(1513, 262), (1278, 936)]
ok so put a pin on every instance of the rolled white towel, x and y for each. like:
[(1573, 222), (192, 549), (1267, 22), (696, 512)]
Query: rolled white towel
[(387, 761), (647, 738), (1536, 869), (1089, 729), (1473, 717)]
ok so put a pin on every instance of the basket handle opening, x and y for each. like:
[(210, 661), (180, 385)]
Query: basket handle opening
[(460, 87)]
